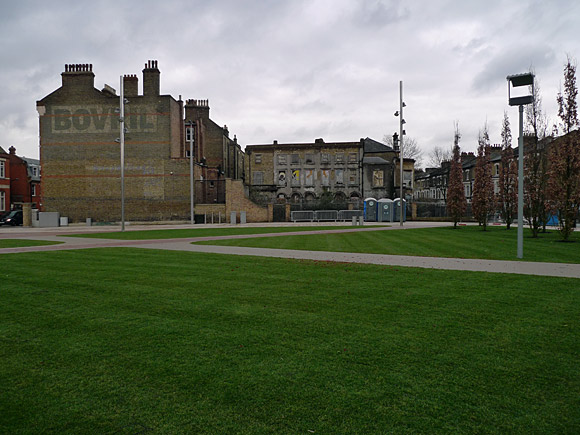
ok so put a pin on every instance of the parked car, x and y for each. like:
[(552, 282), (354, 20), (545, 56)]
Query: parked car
[(13, 218)]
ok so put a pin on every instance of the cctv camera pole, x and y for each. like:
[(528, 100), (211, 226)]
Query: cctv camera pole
[(401, 146), (122, 142)]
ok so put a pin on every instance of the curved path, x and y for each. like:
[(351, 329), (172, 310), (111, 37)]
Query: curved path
[(518, 267)]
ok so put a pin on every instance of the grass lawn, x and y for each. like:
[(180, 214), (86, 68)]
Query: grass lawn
[(143, 341), (18, 243), (496, 243), (204, 232)]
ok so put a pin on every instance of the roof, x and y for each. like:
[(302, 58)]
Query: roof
[(372, 146), (374, 161)]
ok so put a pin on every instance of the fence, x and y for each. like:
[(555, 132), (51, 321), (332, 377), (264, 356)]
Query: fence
[(324, 215)]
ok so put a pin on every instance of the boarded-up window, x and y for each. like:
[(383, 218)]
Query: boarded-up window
[(309, 177), (324, 159), (295, 159), (309, 159), (352, 158), (325, 177), (258, 177), (339, 175), (296, 177), (352, 176), (339, 158), (282, 159), (378, 180), (282, 178), (257, 158)]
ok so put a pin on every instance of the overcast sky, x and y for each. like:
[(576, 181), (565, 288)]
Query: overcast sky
[(294, 71)]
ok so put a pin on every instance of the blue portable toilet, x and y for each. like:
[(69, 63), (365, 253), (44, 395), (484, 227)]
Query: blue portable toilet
[(397, 213), (370, 209), (385, 210)]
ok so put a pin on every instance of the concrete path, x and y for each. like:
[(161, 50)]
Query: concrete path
[(517, 267)]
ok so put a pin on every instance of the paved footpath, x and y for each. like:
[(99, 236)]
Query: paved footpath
[(517, 267)]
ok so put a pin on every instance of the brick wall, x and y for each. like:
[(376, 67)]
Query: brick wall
[(237, 201)]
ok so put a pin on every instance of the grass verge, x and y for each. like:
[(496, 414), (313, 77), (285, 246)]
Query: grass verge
[(496, 243), (22, 243), (204, 232), (134, 341)]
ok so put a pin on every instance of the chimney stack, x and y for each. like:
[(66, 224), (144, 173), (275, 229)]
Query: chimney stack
[(78, 75), (131, 85), (151, 79)]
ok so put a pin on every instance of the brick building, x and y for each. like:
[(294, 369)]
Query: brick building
[(19, 181), (80, 154)]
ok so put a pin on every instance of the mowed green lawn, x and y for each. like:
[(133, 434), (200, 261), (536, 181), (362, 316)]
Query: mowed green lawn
[(21, 243), (496, 243), (204, 232), (144, 341)]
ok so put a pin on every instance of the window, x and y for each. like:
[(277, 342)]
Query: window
[(282, 178), (34, 171), (325, 159), (2, 168), (352, 176), (309, 159), (309, 177), (296, 177), (33, 189), (339, 158), (378, 178), (352, 158), (496, 169), (339, 176), (2, 201), (257, 158), (408, 179), (282, 159), (258, 177), (189, 134), (325, 175), (295, 159)]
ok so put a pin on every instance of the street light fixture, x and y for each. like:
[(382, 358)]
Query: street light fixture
[(402, 132), (516, 81), (122, 131), (190, 135)]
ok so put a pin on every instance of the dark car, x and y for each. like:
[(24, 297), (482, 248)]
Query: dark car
[(13, 218)]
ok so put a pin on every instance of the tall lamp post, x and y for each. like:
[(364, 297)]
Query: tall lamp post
[(121, 140), (399, 113), (189, 135), (515, 81)]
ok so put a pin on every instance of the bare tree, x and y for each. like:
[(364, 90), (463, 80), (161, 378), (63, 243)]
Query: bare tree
[(411, 149), (456, 202), (564, 169), (439, 154)]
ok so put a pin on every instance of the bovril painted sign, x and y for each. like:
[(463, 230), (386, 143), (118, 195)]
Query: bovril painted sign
[(96, 119)]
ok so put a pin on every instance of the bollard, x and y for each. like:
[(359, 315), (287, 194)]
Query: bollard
[(233, 218), (354, 221)]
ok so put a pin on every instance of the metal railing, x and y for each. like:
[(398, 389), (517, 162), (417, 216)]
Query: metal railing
[(324, 215)]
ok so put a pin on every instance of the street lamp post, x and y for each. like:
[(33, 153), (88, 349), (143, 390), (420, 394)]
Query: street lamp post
[(399, 113), (518, 80), (122, 143), (190, 138)]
